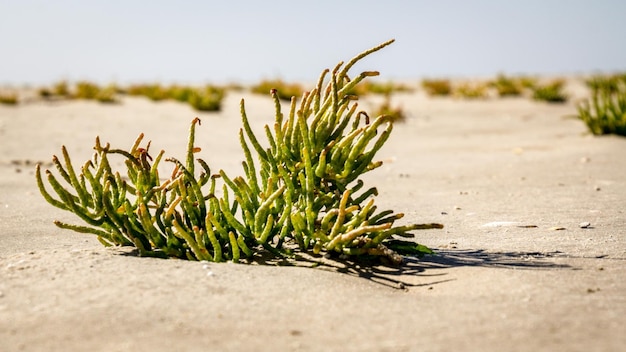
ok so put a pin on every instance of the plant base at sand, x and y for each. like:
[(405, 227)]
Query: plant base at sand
[(605, 111), (302, 192)]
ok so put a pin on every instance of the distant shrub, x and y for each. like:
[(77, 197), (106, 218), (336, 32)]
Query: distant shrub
[(284, 90), (396, 114), (61, 89), (8, 99), (438, 87), (44, 92), (154, 92), (207, 99), (551, 92), (179, 93), (605, 111), (471, 91), (86, 90), (506, 86), (107, 95), (383, 88), (608, 83), (527, 82), (58, 90)]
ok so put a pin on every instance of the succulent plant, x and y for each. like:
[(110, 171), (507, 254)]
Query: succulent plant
[(551, 92), (302, 192), (437, 87), (605, 111)]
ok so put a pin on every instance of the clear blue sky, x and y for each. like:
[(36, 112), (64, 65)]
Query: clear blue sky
[(132, 41)]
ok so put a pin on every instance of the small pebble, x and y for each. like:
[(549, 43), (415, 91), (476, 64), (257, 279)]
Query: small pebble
[(584, 225), (597, 188)]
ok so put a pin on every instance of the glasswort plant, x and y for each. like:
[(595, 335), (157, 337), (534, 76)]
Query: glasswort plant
[(302, 192)]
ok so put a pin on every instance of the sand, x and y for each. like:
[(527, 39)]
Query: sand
[(501, 174)]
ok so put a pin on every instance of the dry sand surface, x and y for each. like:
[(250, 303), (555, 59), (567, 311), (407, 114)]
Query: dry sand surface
[(501, 174)]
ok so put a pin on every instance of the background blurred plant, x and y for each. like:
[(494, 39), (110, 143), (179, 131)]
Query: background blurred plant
[(208, 99), (526, 82), (303, 192), (474, 90), (86, 90), (396, 114), (606, 83), (8, 98), (551, 92), (107, 95), (506, 86), (59, 90), (383, 88), (179, 93), (605, 111), (154, 92), (284, 90), (437, 87)]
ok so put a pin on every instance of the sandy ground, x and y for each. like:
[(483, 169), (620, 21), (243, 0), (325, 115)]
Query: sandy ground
[(500, 174)]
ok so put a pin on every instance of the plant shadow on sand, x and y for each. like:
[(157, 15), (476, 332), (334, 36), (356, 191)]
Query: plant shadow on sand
[(398, 276), (395, 276)]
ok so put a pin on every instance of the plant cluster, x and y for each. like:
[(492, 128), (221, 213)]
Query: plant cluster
[(471, 91), (207, 98), (8, 99), (303, 192), (382, 88), (396, 114), (506, 86), (607, 83), (605, 111), (551, 92), (437, 87), (502, 86), (285, 91), (82, 90)]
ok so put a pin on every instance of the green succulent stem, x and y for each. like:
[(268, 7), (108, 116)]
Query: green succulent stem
[(301, 188)]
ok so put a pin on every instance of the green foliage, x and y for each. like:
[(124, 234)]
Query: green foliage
[(59, 90), (180, 93), (605, 111), (107, 95), (437, 87), (284, 91), (302, 191), (8, 99), (551, 92), (506, 86), (396, 114), (207, 99), (471, 91), (606, 83), (154, 92), (383, 88), (527, 82), (86, 90)]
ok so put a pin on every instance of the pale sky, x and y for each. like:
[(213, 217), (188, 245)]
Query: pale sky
[(184, 41)]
